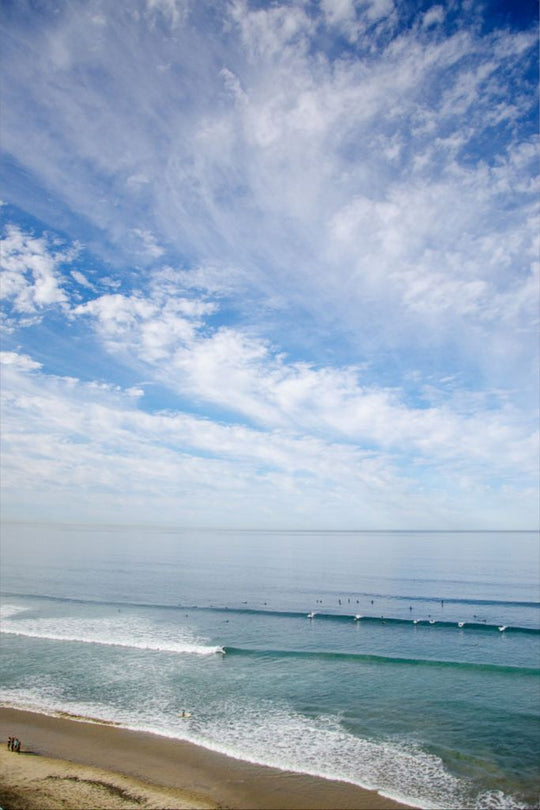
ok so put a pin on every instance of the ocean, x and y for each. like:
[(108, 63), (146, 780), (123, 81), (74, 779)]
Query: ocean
[(405, 662)]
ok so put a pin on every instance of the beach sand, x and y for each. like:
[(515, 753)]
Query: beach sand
[(65, 763)]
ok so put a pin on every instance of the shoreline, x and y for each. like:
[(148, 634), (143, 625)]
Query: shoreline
[(138, 769)]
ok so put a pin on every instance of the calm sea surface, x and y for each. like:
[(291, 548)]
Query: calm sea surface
[(401, 661)]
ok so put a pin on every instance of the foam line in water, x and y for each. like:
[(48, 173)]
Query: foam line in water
[(193, 649), (132, 633), (7, 610), (275, 734), (280, 737), (335, 617)]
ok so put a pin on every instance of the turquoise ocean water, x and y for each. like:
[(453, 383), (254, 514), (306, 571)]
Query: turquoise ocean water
[(400, 661)]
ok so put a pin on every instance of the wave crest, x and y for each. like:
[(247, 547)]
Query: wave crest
[(132, 633)]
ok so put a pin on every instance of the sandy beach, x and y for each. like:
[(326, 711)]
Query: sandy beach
[(66, 763)]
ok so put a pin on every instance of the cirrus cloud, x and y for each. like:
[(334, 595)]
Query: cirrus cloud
[(299, 248)]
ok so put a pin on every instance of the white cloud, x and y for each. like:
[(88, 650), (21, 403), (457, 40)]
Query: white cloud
[(339, 11), (148, 243), (258, 175), (147, 462), (271, 32), (166, 334), (173, 11), (63, 436), (150, 327), (81, 279), (30, 278), (377, 9), (356, 212), (433, 16), (245, 376), (22, 361)]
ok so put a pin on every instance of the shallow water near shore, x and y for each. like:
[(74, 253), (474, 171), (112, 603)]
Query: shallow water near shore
[(403, 662)]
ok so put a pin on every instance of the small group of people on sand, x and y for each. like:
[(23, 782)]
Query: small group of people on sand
[(14, 744)]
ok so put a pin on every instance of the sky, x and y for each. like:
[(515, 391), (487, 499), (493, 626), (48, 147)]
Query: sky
[(270, 264)]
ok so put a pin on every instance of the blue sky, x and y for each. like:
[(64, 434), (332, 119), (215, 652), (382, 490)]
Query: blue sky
[(270, 264)]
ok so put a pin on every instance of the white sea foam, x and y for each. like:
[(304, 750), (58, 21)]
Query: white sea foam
[(48, 701), (266, 735), (321, 747), (7, 610), (114, 631), (282, 738), (497, 800)]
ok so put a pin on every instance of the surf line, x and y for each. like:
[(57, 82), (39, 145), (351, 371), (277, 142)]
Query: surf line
[(368, 658), (357, 618), (424, 622)]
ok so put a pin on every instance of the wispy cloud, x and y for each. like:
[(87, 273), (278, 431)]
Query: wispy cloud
[(91, 442), (399, 173), (298, 220)]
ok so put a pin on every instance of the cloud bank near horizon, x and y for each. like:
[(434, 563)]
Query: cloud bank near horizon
[(270, 264)]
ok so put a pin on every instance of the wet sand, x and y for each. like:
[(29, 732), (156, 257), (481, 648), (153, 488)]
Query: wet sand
[(65, 763)]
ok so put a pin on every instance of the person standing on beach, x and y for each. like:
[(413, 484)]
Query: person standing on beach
[(10, 743)]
